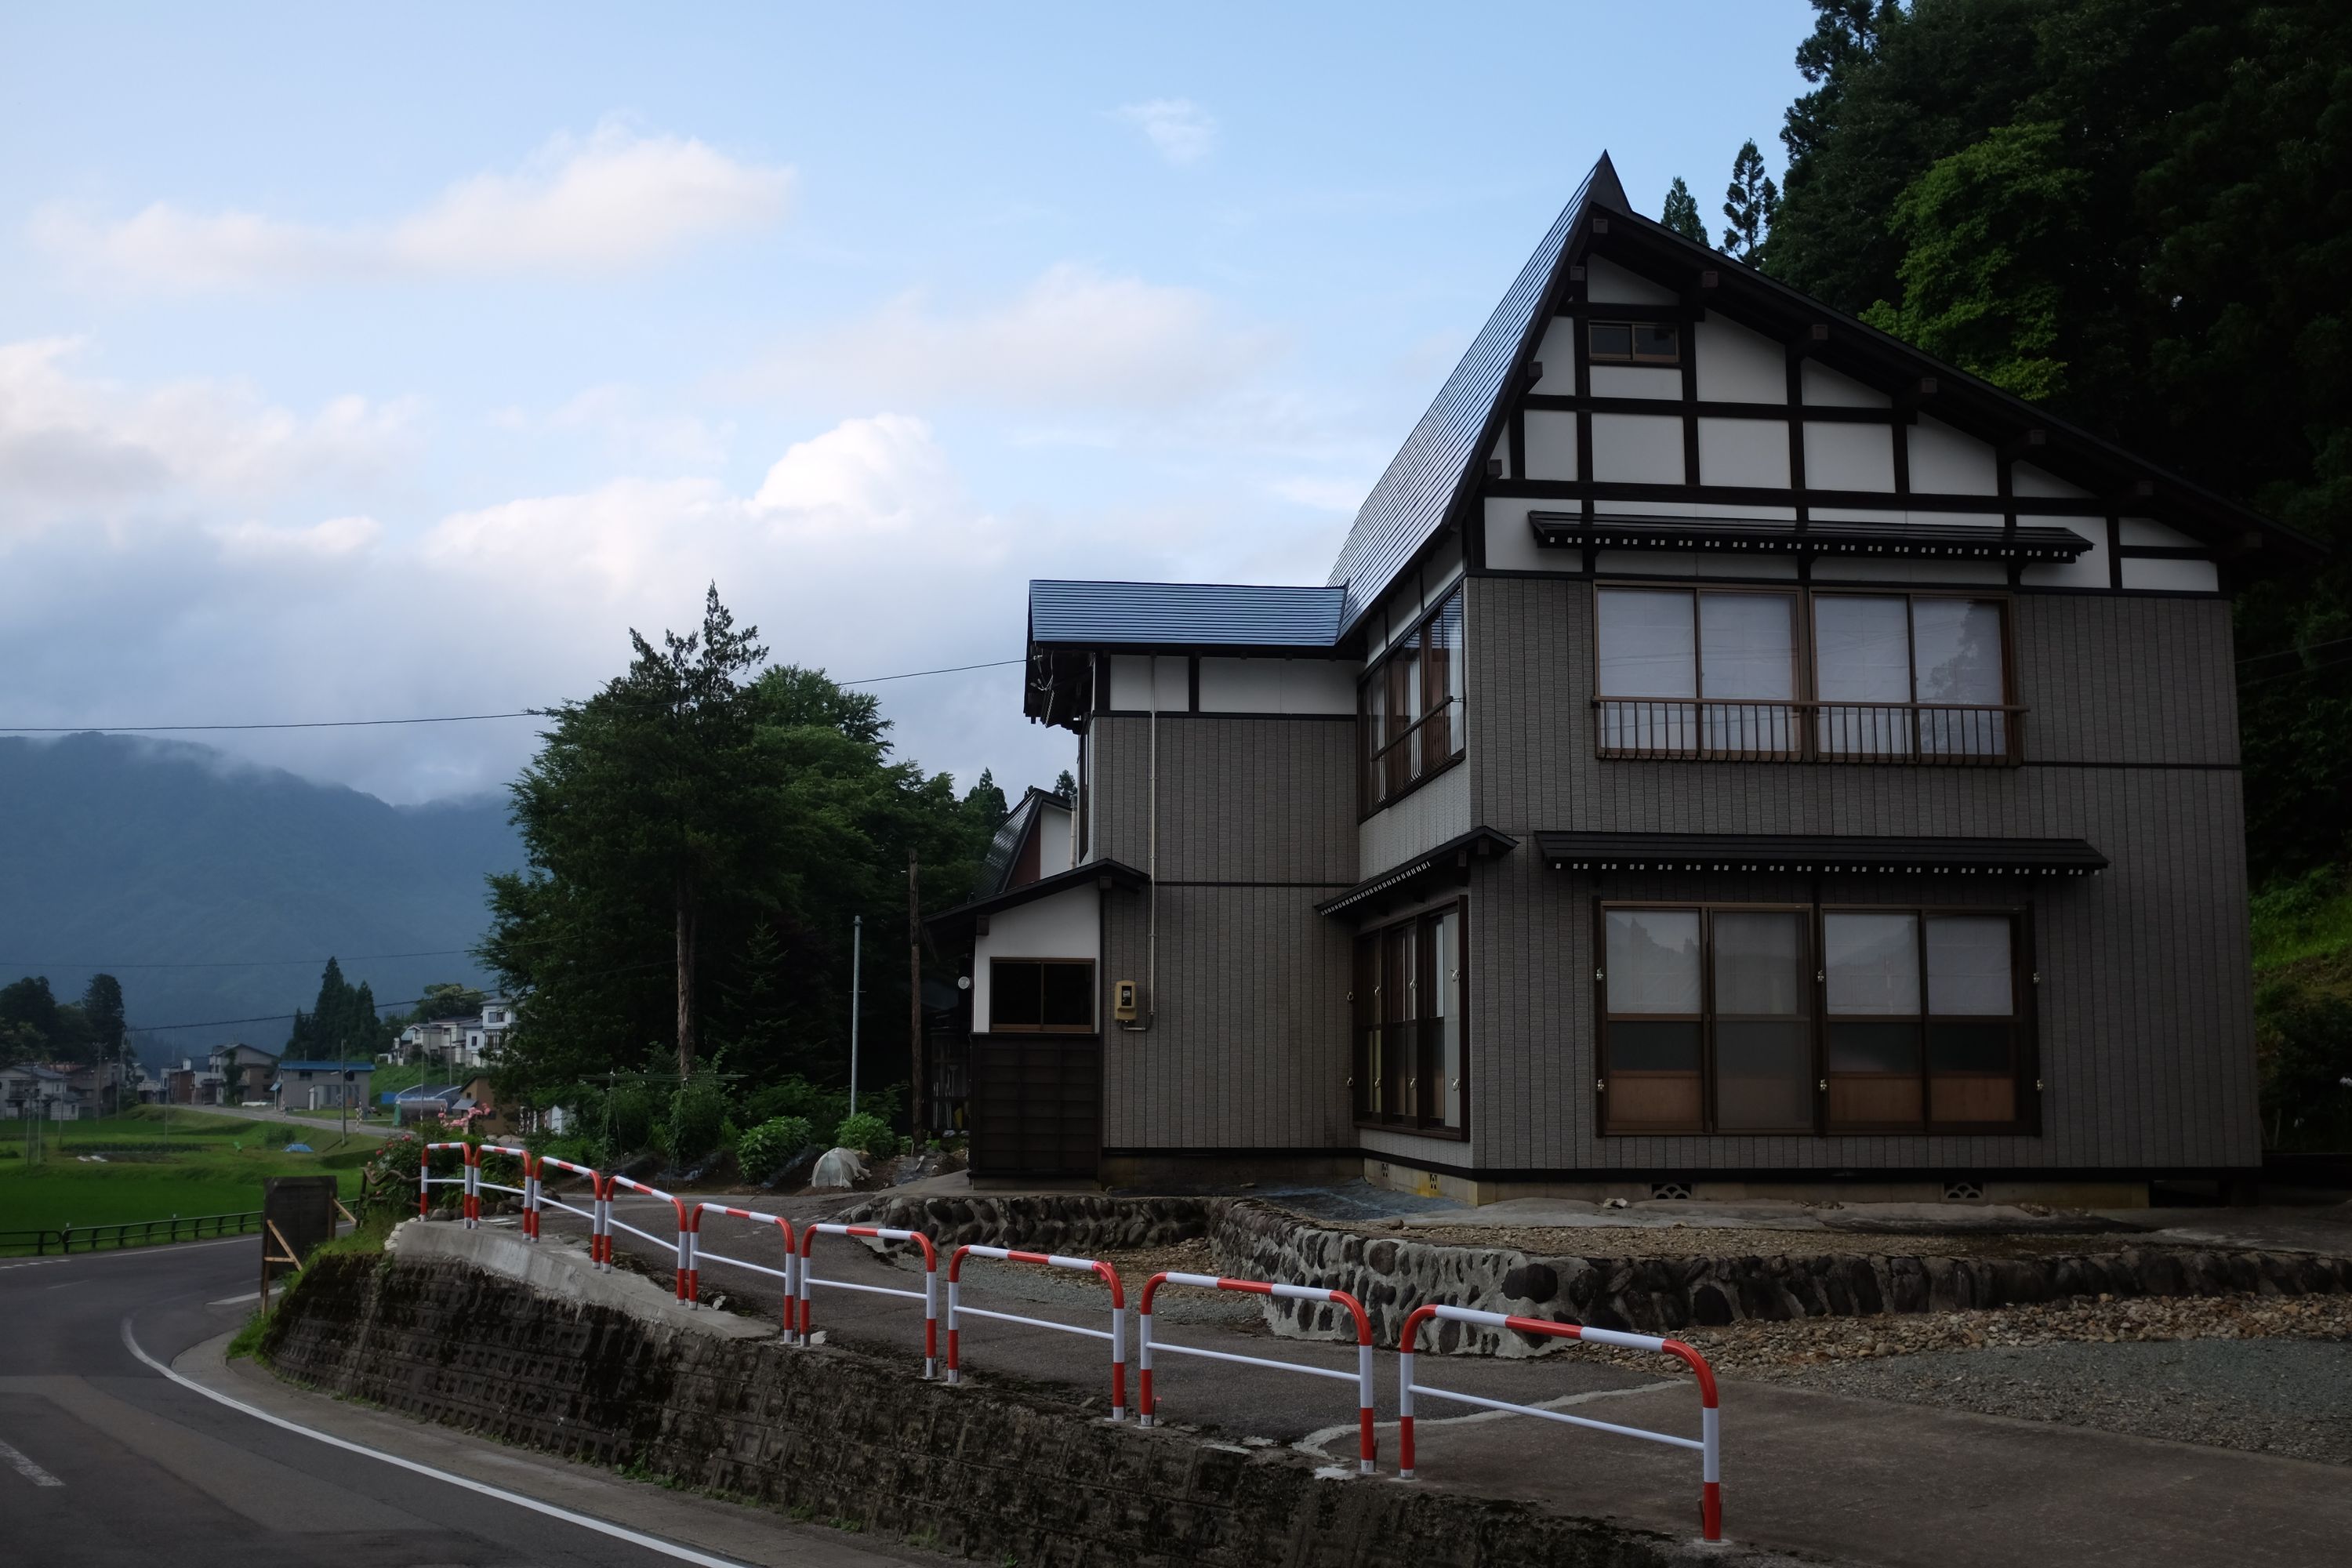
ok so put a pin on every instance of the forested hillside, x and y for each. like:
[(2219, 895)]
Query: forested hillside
[(121, 854), (2138, 213)]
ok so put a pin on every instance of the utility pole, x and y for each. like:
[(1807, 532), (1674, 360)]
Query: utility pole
[(917, 1119), (342, 1091), (857, 966)]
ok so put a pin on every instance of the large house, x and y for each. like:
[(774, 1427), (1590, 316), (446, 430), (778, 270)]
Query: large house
[(460, 1044), (1733, 753)]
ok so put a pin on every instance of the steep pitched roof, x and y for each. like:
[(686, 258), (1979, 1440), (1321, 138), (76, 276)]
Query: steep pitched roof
[(1004, 854), (1427, 477), (1195, 614)]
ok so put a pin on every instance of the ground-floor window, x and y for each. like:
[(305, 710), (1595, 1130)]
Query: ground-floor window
[(1412, 1065), (1053, 995), (1780, 1018)]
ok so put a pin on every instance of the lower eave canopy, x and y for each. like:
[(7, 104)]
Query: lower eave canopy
[(1770, 536), (1412, 878), (1854, 854), (1103, 874)]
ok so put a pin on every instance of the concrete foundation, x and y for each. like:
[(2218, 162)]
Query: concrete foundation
[(2085, 1193)]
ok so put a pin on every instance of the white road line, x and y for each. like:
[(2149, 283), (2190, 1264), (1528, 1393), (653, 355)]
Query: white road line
[(586, 1521), (155, 1249), (236, 1300), (1315, 1443), (26, 1469)]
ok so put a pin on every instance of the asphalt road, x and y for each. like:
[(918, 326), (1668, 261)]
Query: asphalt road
[(106, 1461)]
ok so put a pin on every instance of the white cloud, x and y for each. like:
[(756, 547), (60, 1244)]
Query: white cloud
[(73, 447), (329, 540), (1074, 337), (627, 429), (1179, 129), (613, 200)]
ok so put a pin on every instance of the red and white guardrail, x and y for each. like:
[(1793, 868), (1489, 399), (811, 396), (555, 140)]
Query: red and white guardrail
[(1709, 1443), (599, 1242), (464, 1180), (682, 1243), (694, 1254), (528, 1192), (1118, 1335), (928, 1295), (1368, 1445)]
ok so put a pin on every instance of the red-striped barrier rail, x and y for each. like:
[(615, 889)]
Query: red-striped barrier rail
[(683, 1241), (695, 1254), (928, 1295), (463, 1181), (1109, 1276), (1368, 1444), (1709, 1443), (482, 1183), (594, 1214)]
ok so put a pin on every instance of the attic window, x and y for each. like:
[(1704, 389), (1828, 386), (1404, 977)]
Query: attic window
[(1635, 343)]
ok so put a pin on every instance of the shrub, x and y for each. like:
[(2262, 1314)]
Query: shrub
[(627, 1122), (697, 1117), (870, 1135), (763, 1151), (796, 1097)]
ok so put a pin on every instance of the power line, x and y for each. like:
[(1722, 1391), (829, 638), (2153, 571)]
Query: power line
[(380, 1006), (428, 718), (233, 962)]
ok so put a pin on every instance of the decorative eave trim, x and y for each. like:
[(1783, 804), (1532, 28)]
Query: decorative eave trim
[(1851, 854), (1938, 541), (1451, 857), (1103, 874)]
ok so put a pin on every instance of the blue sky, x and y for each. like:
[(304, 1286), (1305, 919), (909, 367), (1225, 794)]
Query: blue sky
[(361, 366)]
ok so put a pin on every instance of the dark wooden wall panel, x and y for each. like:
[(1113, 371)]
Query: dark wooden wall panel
[(2146, 1005)]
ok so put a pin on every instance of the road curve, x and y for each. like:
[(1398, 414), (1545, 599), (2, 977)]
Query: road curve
[(105, 1458)]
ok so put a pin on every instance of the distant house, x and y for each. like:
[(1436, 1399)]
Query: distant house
[(459, 1044), (321, 1086), (30, 1091), (245, 1072)]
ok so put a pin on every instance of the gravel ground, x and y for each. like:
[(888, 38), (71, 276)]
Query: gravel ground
[(1701, 1241), (2265, 1373), (2291, 1397)]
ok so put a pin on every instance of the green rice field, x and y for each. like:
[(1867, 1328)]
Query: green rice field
[(208, 1165)]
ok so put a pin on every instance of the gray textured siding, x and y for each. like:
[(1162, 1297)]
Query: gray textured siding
[(1437, 811), (1248, 1049), (2145, 1009)]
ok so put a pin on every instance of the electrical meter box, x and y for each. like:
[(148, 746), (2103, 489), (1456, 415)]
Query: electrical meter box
[(1122, 1007)]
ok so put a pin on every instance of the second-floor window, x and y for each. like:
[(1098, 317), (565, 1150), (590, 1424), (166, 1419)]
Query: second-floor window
[(1767, 675), (1409, 710)]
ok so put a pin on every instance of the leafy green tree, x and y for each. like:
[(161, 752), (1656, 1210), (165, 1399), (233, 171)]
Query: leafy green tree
[(1067, 787), (799, 819), (102, 1007), (447, 999), (986, 803), (1990, 234), (30, 1004), (1681, 213), (1749, 204)]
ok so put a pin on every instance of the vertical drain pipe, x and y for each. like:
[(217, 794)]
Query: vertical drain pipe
[(1151, 862)]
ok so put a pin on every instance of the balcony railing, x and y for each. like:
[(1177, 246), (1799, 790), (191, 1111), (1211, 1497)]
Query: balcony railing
[(1713, 729), (1422, 747)]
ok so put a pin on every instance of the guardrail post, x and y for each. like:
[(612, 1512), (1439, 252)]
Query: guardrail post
[(423, 1181)]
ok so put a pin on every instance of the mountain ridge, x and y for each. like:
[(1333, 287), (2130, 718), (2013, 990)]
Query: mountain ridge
[(235, 881)]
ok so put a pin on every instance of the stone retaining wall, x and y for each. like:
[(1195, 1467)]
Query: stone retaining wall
[(1648, 1295), (843, 1437), (1664, 1295)]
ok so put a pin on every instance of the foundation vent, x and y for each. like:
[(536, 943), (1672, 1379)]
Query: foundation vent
[(1670, 1190), (1964, 1192)]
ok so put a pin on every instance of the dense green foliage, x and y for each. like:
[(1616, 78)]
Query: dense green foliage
[(703, 807), (698, 1115), (1681, 213), (2138, 213), (762, 1151), (36, 1027), (343, 1023), (868, 1134), (1750, 202)]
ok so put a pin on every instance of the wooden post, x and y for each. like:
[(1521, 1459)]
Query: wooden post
[(919, 1098)]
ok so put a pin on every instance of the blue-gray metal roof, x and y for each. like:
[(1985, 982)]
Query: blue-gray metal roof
[(1423, 481), (1194, 615)]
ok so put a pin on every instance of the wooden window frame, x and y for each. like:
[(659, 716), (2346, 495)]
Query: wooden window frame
[(1092, 1025), (1632, 356), (1365, 1010), (1805, 708), (2023, 1021), (1375, 747)]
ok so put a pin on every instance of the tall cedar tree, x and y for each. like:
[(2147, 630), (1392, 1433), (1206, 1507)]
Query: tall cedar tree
[(1749, 204), (1681, 213), (801, 820)]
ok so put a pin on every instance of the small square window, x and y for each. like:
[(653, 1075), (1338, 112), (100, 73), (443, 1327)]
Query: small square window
[(1613, 339), (1656, 341)]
